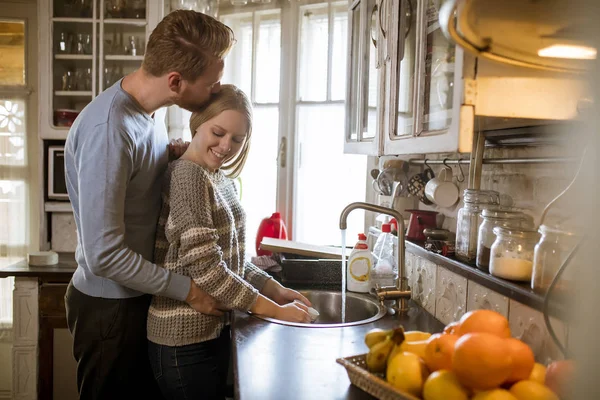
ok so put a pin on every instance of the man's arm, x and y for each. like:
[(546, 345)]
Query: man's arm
[(104, 165)]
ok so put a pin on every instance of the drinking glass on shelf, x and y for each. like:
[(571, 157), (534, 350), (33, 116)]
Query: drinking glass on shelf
[(115, 8), (68, 81), (84, 79), (133, 46), (83, 8), (79, 46), (65, 43), (87, 44), (136, 9)]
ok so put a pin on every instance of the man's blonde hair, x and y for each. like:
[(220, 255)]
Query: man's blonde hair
[(230, 97), (186, 42)]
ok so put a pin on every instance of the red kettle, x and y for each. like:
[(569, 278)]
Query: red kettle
[(419, 220), (272, 227)]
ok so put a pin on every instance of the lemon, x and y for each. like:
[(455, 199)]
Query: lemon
[(407, 371), (495, 394), (538, 373), (444, 385), (532, 390)]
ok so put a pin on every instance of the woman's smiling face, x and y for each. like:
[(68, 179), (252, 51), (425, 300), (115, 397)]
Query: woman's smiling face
[(219, 139)]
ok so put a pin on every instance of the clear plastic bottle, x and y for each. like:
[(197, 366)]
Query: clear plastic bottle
[(385, 269), (360, 264)]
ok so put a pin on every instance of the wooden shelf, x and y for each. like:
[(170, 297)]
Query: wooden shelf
[(73, 56), (69, 19), (126, 21), (123, 58), (73, 93), (58, 206)]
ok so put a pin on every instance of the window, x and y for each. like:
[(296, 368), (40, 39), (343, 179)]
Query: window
[(295, 75), (14, 216)]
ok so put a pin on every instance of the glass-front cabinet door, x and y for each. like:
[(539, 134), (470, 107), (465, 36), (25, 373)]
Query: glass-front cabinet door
[(90, 44), (437, 69), (423, 97), (365, 61)]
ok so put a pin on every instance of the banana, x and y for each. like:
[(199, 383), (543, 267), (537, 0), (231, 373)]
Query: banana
[(413, 336), (378, 354), (416, 347), (376, 335)]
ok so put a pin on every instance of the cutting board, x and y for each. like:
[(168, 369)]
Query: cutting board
[(303, 249)]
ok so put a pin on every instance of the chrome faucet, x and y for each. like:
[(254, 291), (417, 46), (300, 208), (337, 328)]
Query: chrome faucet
[(401, 292)]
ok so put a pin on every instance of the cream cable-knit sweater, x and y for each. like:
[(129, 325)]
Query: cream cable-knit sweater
[(201, 233)]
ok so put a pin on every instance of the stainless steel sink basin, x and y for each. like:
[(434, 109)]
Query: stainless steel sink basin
[(360, 309)]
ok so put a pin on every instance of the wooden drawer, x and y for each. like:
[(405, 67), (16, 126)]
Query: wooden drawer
[(52, 299)]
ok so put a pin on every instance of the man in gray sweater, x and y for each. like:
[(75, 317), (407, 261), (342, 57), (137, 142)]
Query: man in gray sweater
[(115, 155)]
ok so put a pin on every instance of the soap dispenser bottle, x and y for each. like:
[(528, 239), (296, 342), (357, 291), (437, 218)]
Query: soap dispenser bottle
[(360, 264)]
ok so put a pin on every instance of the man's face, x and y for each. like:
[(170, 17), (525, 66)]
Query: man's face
[(197, 93)]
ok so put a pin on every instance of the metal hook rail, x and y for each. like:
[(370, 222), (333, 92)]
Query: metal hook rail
[(540, 160)]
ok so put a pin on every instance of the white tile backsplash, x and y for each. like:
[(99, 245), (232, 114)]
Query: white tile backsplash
[(451, 296), (64, 232), (479, 297), (528, 325), (423, 284)]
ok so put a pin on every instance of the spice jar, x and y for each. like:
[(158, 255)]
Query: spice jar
[(493, 217), (511, 255), (468, 220), (550, 253)]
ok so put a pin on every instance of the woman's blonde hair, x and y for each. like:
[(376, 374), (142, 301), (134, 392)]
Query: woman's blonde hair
[(229, 97)]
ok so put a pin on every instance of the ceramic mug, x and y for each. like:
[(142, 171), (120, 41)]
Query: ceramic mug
[(416, 185), (441, 190)]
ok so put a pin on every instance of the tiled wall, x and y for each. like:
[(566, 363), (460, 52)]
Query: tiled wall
[(448, 296), (531, 186)]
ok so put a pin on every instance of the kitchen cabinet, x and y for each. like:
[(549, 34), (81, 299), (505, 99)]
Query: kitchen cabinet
[(416, 104), (86, 46), (364, 94)]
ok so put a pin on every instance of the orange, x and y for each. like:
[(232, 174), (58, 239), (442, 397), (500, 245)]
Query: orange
[(531, 390), (487, 321), (523, 360), (452, 328), (482, 360), (439, 351)]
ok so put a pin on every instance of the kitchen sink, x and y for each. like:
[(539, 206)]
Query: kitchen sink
[(360, 309)]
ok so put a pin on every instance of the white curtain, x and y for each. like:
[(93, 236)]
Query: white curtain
[(14, 170)]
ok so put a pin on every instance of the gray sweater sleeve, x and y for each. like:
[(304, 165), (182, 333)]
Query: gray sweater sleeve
[(104, 164)]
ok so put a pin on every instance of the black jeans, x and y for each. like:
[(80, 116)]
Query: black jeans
[(196, 371), (110, 346)]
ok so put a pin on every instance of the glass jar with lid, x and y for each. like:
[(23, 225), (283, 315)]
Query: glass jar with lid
[(468, 220), (492, 217), (511, 255), (550, 253)]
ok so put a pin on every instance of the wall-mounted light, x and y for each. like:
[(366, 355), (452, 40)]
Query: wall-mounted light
[(568, 51)]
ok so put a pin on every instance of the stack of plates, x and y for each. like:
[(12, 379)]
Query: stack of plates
[(41, 258)]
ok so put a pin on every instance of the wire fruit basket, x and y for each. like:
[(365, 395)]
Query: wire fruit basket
[(372, 383)]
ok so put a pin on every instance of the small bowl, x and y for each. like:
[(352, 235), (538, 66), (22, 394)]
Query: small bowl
[(65, 117)]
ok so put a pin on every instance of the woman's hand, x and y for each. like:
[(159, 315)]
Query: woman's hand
[(293, 312), (282, 295)]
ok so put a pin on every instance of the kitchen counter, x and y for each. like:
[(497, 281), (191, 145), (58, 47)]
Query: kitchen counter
[(273, 361)]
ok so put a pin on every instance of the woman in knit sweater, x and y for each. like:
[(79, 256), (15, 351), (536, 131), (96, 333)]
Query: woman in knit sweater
[(201, 234)]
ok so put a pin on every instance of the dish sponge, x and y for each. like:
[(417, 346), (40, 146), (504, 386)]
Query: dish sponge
[(314, 314)]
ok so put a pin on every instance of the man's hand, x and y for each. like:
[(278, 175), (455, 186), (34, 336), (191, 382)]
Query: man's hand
[(176, 148), (282, 295), (204, 303)]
